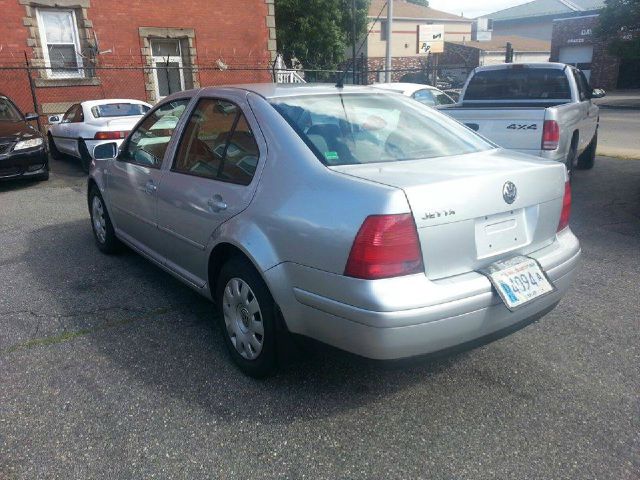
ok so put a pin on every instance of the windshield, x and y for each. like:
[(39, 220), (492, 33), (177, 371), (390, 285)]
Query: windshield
[(519, 84), (8, 112), (352, 128), (119, 110)]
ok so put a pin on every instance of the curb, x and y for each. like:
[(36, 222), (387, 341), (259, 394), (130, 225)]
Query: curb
[(620, 107)]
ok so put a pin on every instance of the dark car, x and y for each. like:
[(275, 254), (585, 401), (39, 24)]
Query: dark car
[(22, 147)]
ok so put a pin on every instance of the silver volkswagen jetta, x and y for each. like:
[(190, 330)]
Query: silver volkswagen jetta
[(359, 218)]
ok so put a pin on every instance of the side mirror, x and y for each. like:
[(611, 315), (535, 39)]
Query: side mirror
[(105, 151), (598, 93), (30, 117), (54, 119)]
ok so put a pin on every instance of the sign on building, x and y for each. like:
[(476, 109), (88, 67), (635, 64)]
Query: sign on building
[(430, 38)]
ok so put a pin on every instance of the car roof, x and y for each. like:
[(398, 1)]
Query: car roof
[(505, 66), (272, 90), (405, 87), (107, 101)]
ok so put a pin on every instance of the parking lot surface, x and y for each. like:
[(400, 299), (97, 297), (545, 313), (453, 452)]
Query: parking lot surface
[(110, 368)]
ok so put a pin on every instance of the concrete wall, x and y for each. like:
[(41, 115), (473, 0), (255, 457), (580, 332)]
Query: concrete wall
[(405, 37), (540, 29)]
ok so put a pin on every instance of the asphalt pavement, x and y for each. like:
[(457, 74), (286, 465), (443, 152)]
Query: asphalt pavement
[(110, 368), (619, 132)]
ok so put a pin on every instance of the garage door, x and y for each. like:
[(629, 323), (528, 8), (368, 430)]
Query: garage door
[(579, 56)]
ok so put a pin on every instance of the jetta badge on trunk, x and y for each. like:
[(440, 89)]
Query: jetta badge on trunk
[(509, 192)]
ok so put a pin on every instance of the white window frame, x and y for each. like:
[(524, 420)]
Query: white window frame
[(79, 73), (155, 59)]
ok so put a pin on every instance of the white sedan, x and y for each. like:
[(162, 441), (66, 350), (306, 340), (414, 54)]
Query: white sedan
[(91, 123), (426, 94)]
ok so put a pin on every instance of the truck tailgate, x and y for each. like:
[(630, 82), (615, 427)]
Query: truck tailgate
[(512, 128)]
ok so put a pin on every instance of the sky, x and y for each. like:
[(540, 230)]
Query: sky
[(473, 8)]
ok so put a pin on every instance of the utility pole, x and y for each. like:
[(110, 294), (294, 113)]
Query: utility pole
[(353, 17), (387, 63)]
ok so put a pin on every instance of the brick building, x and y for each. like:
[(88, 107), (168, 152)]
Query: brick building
[(573, 42), (145, 49)]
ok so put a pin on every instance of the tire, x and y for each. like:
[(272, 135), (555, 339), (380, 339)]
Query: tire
[(53, 150), (588, 157), (247, 318), (101, 225), (85, 157)]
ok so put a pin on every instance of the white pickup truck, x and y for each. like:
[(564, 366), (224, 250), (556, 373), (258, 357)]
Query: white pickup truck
[(544, 109)]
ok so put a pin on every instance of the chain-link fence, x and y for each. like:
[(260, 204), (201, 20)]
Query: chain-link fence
[(53, 89)]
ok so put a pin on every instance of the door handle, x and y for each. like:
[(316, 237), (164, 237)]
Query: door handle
[(150, 187), (216, 203)]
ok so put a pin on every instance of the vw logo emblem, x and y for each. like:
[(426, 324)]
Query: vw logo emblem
[(509, 192)]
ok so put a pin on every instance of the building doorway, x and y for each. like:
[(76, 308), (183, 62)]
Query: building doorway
[(578, 56)]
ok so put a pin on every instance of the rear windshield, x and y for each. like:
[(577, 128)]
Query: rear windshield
[(8, 113), (519, 84), (353, 128), (119, 110)]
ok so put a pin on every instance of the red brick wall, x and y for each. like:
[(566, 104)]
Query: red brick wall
[(579, 32), (233, 30)]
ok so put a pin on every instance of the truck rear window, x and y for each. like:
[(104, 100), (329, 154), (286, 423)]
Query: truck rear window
[(519, 84)]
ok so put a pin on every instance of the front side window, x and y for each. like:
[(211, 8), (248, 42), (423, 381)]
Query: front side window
[(8, 112), (74, 114), (60, 43), (348, 129), (218, 144), (119, 110), (148, 143), (584, 89)]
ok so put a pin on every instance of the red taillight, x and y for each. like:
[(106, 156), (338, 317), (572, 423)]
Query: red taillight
[(110, 135), (566, 208), (550, 135), (385, 246)]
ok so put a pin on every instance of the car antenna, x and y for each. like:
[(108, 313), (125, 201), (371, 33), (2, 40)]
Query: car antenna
[(340, 79)]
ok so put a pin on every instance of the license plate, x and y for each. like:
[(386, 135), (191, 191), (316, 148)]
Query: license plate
[(518, 281)]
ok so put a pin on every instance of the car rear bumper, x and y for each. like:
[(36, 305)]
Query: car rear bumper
[(457, 310), (30, 163)]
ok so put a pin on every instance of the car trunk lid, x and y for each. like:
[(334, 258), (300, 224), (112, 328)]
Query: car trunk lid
[(460, 207)]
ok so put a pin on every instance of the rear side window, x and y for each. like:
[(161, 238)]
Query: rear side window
[(218, 143), (425, 97), (519, 84)]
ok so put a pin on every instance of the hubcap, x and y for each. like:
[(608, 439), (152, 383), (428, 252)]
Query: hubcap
[(243, 318), (99, 222)]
